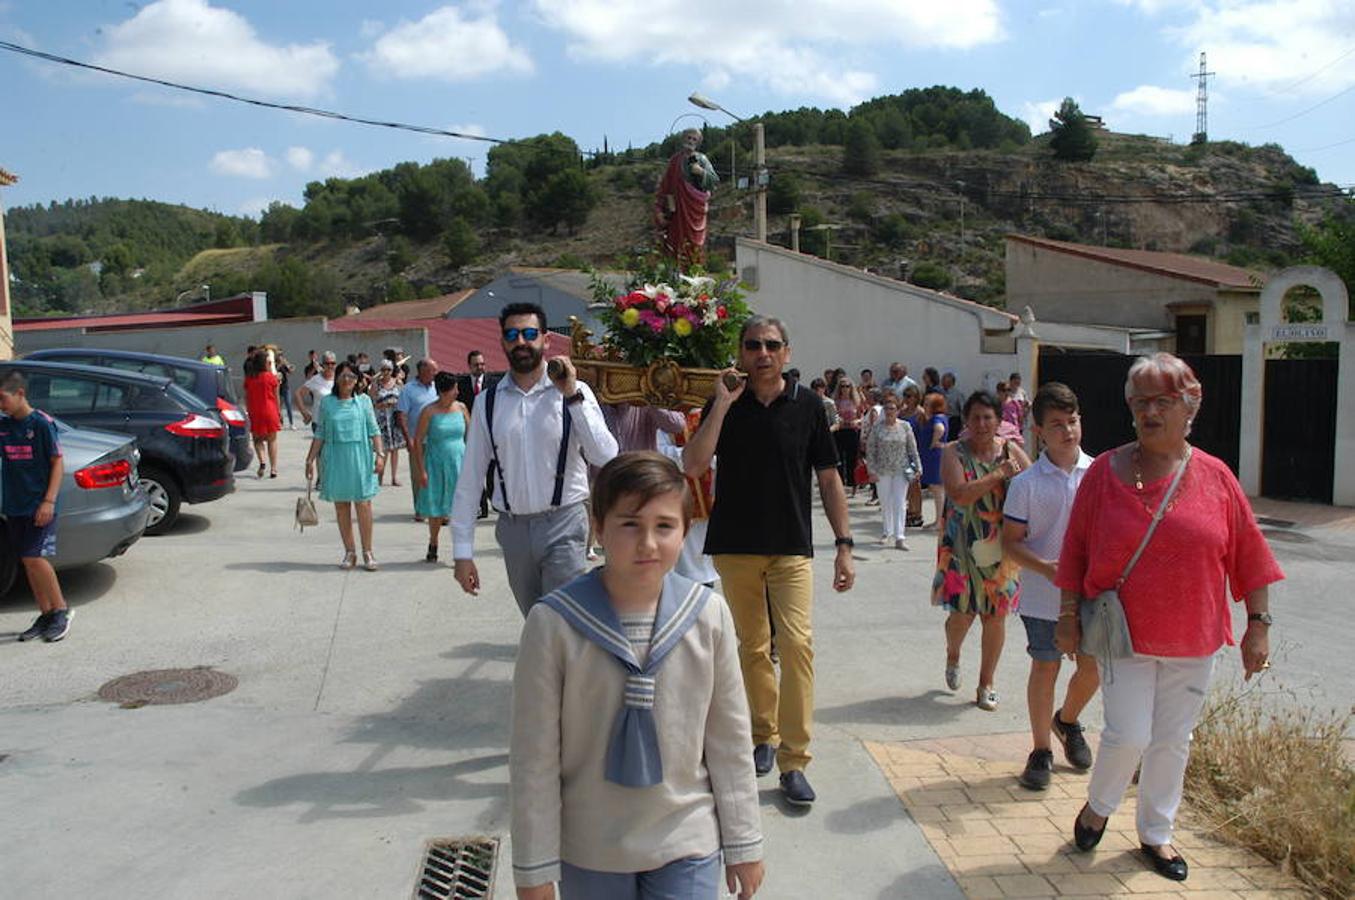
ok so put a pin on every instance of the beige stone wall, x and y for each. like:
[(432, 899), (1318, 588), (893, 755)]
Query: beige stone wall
[(1064, 288)]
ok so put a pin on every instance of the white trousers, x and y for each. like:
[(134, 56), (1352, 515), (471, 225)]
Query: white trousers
[(893, 505), (1151, 707)]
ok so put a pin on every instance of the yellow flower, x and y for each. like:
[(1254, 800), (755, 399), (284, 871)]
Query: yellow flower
[(631, 317), (682, 328)]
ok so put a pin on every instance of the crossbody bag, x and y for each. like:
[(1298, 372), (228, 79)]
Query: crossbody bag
[(1105, 630)]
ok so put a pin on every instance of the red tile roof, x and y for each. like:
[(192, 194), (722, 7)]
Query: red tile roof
[(434, 308), (130, 321), (1174, 265), (451, 340)]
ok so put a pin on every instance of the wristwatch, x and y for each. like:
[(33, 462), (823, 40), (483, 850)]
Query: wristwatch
[(576, 397), (844, 542), (1263, 618)]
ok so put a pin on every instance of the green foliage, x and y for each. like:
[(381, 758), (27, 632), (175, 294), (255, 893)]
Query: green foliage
[(277, 221), (894, 231), (397, 290), (783, 194), (861, 151), (460, 242), (931, 275), (296, 288), (813, 242), (1072, 138), (861, 207), (1332, 244), (399, 254), (572, 261), (566, 199), (539, 179)]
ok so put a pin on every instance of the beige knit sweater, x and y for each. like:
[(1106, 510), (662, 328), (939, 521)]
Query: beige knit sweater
[(566, 695)]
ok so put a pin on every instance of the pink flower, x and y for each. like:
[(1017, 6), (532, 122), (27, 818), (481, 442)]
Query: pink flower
[(656, 322), (678, 311), (661, 302)]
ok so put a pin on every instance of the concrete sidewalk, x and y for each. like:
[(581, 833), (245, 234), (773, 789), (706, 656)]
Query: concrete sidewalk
[(371, 712)]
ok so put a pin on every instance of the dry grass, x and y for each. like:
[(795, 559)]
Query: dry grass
[(1274, 777)]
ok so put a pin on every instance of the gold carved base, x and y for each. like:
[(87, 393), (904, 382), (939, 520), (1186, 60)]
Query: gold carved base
[(662, 383)]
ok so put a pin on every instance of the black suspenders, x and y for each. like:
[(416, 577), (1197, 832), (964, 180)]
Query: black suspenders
[(496, 467)]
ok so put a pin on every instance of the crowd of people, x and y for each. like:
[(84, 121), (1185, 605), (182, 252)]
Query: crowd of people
[(646, 705)]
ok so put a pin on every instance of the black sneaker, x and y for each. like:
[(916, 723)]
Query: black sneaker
[(764, 757), (795, 788), (35, 630), (1075, 748), (1039, 768), (58, 625)]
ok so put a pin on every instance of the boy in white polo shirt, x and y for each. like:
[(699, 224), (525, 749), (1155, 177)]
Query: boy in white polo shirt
[(1035, 517)]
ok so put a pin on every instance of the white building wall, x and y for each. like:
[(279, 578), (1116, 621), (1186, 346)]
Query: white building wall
[(840, 316)]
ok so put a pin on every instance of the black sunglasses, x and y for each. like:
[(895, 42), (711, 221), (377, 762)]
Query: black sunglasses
[(528, 334), (771, 345)]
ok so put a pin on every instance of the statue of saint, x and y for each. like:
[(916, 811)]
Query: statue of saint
[(683, 199)]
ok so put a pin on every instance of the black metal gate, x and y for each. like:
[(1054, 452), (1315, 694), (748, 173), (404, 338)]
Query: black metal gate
[(1098, 381), (1298, 455)]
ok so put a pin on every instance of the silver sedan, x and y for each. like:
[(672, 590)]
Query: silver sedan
[(101, 508)]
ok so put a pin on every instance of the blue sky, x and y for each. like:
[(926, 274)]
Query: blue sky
[(619, 68)]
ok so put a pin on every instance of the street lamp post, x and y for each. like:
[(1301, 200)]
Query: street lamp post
[(759, 163)]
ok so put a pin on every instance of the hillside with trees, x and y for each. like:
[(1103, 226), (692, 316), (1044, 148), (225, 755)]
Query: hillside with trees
[(920, 185)]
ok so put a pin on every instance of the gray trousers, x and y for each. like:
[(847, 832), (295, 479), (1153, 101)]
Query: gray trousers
[(542, 551)]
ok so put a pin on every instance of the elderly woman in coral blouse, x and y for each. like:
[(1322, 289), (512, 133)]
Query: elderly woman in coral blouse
[(1206, 547)]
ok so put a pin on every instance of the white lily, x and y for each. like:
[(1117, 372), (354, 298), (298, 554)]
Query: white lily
[(698, 282)]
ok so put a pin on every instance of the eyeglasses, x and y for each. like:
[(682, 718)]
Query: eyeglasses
[(753, 346), (1159, 402), (527, 334)]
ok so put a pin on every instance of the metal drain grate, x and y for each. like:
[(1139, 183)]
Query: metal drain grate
[(458, 869)]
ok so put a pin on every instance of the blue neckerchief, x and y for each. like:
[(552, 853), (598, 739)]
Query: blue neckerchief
[(633, 752)]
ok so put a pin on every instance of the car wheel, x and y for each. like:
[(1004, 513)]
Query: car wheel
[(165, 498), (9, 567)]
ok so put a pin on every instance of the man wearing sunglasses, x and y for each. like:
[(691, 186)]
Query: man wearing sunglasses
[(770, 434), (535, 439)]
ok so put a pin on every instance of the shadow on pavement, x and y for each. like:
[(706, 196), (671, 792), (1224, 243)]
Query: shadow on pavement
[(866, 815), (483, 650), (79, 586), (912, 883), (188, 524), (924, 709), (283, 566), (375, 793)]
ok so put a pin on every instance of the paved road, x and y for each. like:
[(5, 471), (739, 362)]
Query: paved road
[(371, 712)]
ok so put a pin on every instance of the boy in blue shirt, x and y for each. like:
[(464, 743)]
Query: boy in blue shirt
[(30, 472)]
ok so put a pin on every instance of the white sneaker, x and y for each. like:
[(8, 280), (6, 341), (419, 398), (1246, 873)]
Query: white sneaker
[(986, 699), (900, 544)]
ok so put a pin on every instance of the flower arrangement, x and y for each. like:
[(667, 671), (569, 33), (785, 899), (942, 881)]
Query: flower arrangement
[(691, 318)]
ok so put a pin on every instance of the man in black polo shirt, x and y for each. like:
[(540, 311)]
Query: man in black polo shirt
[(769, 435)]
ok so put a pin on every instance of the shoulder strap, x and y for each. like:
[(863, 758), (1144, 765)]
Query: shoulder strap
[(563, 456), (1157, 517), (495, 467)]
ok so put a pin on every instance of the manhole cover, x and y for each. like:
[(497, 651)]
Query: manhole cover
[(458, 869), (161, 687)]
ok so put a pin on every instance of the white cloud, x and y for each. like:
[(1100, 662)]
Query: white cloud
[(250, 162), (192, 41), (370, 28), (1150, 100), (1293, 47), (336, 165), (785, 46), (449, 45), (300, 158), (1037, 114), (254, 206)]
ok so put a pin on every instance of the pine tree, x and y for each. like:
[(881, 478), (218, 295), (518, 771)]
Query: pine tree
[(861, 149), (1072, 138)]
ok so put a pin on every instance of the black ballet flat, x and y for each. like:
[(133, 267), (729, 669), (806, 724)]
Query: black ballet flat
[(1086, 838), (1174, 868)]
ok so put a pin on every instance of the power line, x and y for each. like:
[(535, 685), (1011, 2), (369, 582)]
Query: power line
[(224, 95), (1304, 112), (1311, 75)]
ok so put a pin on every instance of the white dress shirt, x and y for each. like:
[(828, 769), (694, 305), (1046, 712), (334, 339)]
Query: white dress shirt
[(527, 429)]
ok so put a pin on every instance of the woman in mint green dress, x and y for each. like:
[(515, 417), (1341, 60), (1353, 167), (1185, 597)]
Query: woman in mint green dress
[(348, 444), (439, 445)]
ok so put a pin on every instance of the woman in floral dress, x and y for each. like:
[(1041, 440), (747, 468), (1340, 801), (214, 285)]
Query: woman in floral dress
[(973, 577), (385, 395)]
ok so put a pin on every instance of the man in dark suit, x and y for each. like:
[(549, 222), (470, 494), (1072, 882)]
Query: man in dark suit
[(477, 381), (470, 386)]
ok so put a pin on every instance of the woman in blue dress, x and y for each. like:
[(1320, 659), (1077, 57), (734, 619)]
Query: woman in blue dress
[(930, 447), (348, 444), (439, 445)]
